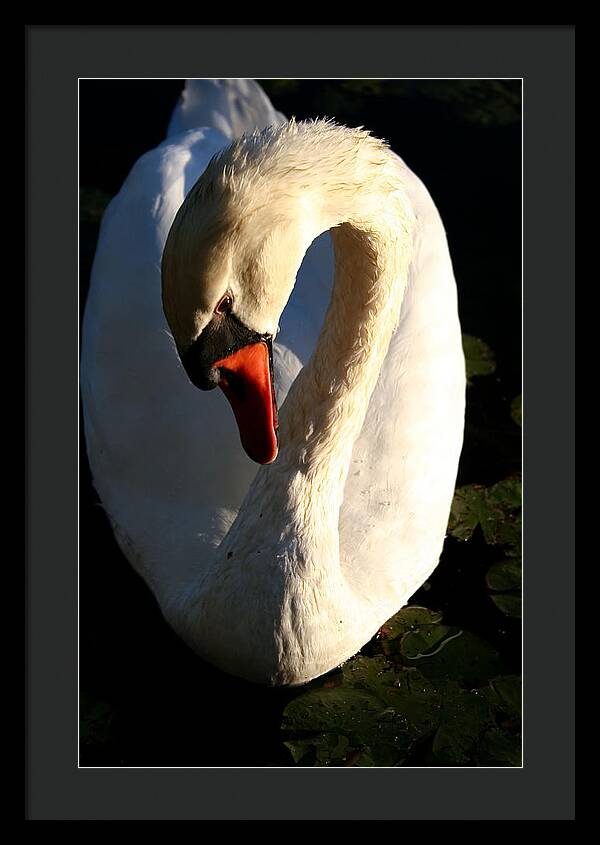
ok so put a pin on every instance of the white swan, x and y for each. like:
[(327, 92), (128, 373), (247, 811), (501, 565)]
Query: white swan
[(276, 574)]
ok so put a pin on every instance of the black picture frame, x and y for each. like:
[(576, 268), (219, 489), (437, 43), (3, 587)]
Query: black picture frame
[(56, 57)]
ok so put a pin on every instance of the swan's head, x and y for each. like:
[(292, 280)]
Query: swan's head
[(228, 268)]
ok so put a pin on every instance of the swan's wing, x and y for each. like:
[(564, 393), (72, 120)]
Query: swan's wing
[(233, 106), (165, 457)]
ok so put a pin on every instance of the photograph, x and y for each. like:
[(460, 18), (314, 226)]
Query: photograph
[(300, 423)]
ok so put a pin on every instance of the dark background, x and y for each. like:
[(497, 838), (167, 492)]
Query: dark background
[(155, 702)]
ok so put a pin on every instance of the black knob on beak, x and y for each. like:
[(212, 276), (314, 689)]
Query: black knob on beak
[(199, 368), (223, 336)]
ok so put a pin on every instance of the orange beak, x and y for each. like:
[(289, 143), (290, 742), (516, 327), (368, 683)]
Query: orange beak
[(247, 382)]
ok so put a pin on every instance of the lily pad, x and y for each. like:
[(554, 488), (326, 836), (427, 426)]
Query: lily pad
[(323, 717), (467, 511), (326, 749), (381, 713), (503, 529), (405, 693), (442, 653), (497, 748), (505, 579), (320, 709), (474, 728), (505, 494), (495, 509), (479, 358), (407, 619), (428, 641), (509, 603), (508, 691), (505, 575), (440, 688), (465, 715)]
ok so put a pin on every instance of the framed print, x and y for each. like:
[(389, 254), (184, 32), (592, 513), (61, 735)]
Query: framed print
[(321, 565)]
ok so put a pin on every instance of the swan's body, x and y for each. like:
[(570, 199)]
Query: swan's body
[(281, 573)]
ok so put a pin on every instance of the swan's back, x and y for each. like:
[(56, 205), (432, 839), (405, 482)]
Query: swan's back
[(233, 106)]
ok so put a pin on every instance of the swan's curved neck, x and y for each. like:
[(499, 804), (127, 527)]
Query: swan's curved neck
[(283, 548), (326, 407), (361, 201), (356, 193)]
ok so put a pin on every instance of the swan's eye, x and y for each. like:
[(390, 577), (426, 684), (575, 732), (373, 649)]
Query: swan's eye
[(224, 305)]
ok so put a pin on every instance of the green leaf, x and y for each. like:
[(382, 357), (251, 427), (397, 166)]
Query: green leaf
[(505, 578), (467, 511), (379, 712), (321, 709), (375, 675), (407, 619), (479, 358), (505, 575), (505, 494), (444, 689), (301, 751), (427, 641), (473, 724), (509, 603), (497, 748), (495, 509), (465, 715), (405, 695), (508, 692), (516, 410), (503, 529), (451, 654)]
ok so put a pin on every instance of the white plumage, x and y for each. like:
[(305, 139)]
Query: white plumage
[(279, 573)]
